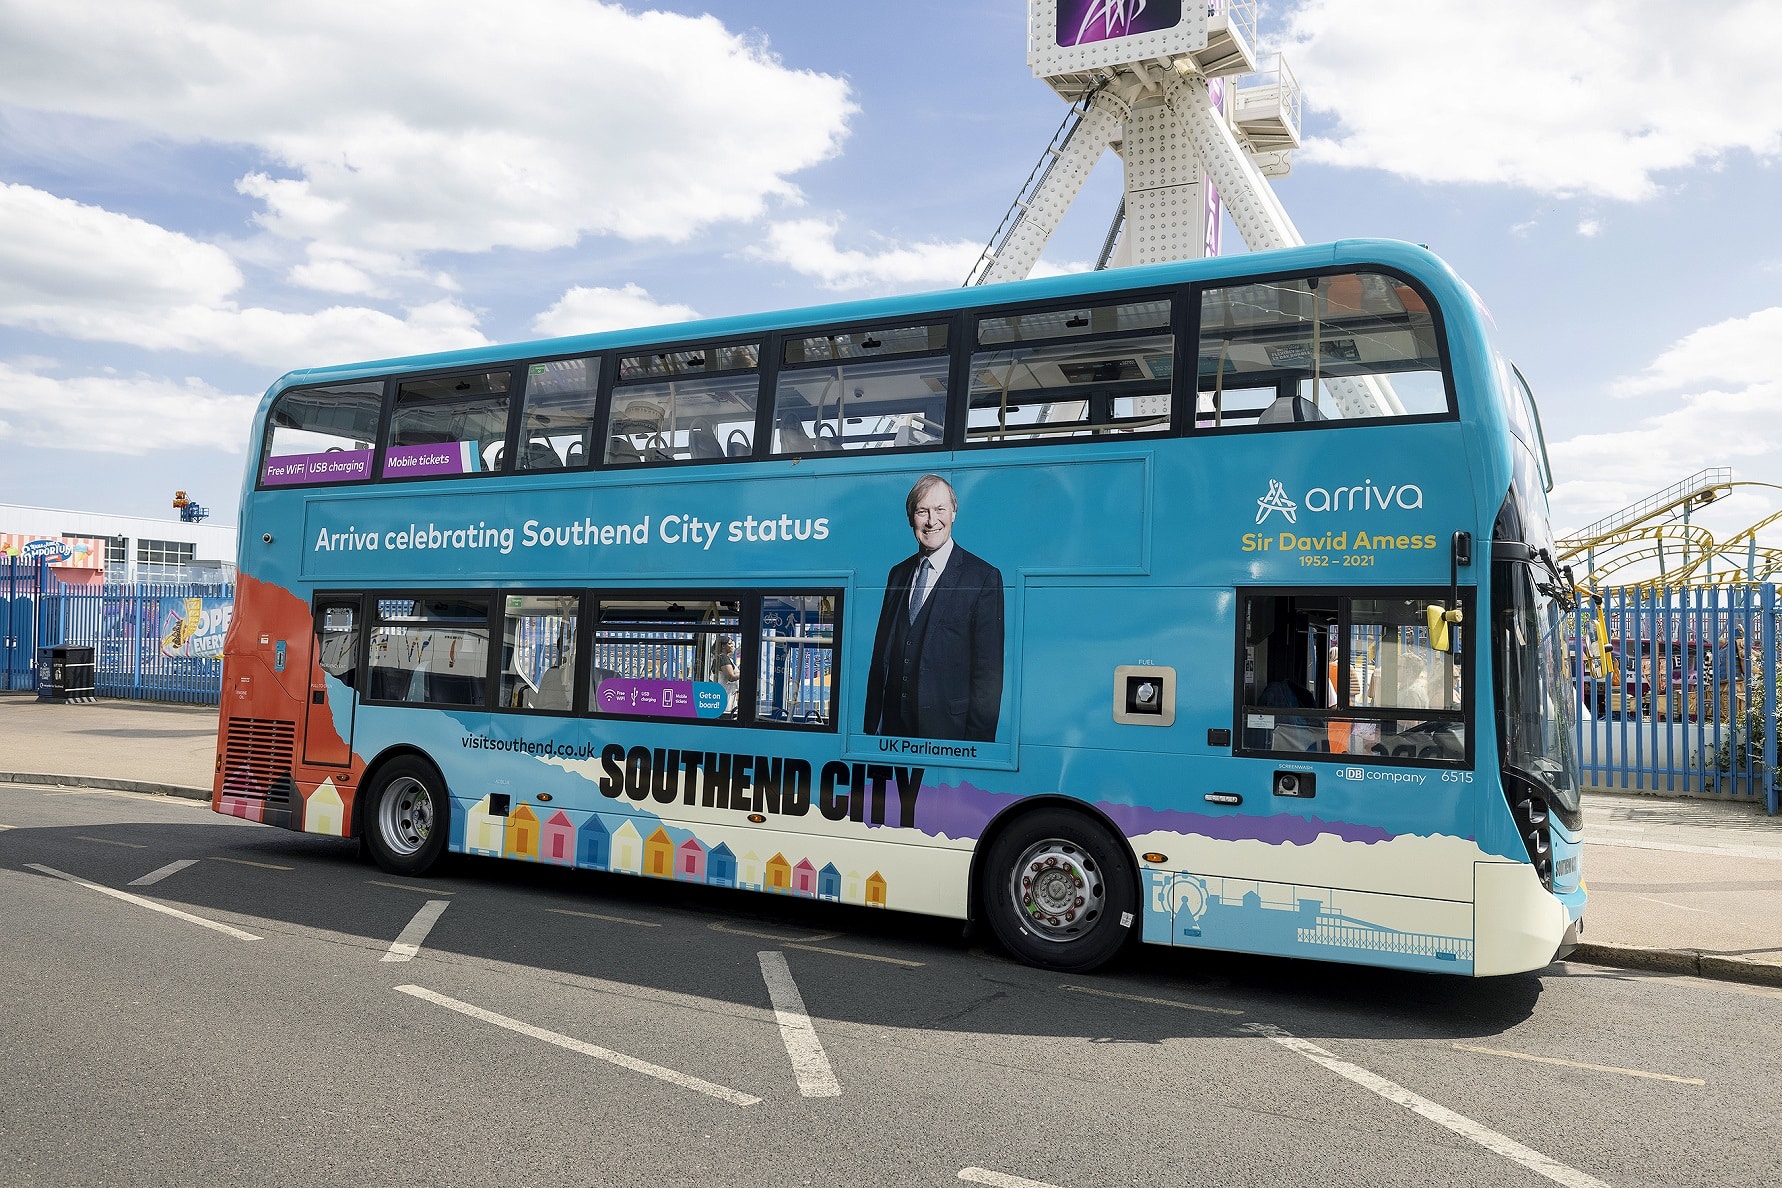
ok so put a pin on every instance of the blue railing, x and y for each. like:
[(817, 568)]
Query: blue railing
[(1682, 700), (150, 641)]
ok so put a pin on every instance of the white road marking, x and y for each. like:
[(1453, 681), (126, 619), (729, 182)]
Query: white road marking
[(809, 1062), (977, 1175), (409, 887), (155, 876), (851, 953), (594, 1050), (106, 841), (8, 826), (247, 862), (150, 904), (1679, 906), (1490, 1139), (404, 947), (598, 916), (1609, 1068), (720, 926), (1168, 1002)]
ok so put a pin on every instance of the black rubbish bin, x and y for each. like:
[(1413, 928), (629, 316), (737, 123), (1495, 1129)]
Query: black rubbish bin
[(65, 674)]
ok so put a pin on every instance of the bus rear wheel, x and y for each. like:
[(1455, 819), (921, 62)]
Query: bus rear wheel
[(1059, 891), (408, 817)]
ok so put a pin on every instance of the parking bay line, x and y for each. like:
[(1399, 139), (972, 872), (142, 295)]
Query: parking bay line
[(249, 862), (978, 1175), (612, 919), (574, 1045), (106, 841), (1491, 1140), (409, 887), (405, 946), (1609, 1068), (150, 904), (1169, 1002), (810, 1064), (156, 875), (905, 962)]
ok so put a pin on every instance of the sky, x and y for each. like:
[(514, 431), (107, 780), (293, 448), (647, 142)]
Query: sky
[(197, 196)]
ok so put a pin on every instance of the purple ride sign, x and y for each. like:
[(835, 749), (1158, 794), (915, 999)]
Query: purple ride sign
[(1085, 22)]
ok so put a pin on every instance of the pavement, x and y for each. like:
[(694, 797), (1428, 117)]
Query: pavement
[(1685, 886)]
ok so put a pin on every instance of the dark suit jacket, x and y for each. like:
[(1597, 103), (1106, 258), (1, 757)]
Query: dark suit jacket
[(958, 674)]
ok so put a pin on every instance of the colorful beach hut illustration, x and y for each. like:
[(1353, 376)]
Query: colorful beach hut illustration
[(659, 855), (804, 878), (875, 890), (829, 883), (627, 849), (322, 810), (594, 844), (689, 861), (851, 887), (521, 836), (483, 831), (750, 877), (779, 874), (720, 866), (557, 839)]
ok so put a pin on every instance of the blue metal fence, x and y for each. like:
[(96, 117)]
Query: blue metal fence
[(137, 631), (1679, 691)]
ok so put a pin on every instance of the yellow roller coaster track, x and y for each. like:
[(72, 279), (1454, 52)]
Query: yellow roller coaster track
[(1687, 554)]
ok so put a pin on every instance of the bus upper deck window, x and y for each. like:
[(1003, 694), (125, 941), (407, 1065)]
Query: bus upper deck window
[(321, 435), (684, 405), (557, 420), (1090, 371), (862, 389), (448, 425), (1316, 349)]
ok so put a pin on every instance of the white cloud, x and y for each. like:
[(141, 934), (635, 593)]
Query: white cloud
[(808, 246), (1736, 351), (111, 414), (587, 311), (1594, 97), (84, 272), (1727, 412), (408, 126), (1589, 228)]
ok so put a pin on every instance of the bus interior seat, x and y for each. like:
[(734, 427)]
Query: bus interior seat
[(540, 456), (576, 454), (619, 449), (793, 438), (553, 690), (1289, 409), (738, 445), (702, 442), (830, 440)]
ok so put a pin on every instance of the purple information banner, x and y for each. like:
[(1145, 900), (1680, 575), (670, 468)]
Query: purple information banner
[(452, 457), (335, 466), (660, 699), (1085, 22)]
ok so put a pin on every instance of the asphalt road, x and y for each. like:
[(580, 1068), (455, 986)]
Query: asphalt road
[(306, 1019)]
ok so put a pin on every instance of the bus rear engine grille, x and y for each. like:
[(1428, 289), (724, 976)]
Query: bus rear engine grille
[(257, 758)]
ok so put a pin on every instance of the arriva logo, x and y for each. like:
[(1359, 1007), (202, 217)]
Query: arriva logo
[(1276, 501), (1364, 496)]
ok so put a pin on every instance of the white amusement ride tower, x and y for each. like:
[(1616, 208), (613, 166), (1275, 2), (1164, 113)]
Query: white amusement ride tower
[(1173, 87)]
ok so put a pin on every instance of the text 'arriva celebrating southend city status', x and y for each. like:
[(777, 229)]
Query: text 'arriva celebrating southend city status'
[(534, 534)]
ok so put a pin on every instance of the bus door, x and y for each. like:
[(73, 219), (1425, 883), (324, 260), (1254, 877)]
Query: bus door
[(335, 648)]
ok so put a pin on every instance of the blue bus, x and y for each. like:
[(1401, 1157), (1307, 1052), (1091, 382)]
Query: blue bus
[(1210, 604)]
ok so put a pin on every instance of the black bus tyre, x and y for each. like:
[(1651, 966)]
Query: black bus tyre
[(408, 818), (1059, 891)]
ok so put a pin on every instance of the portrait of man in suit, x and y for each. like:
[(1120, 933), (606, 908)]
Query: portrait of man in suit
[(937, 656)]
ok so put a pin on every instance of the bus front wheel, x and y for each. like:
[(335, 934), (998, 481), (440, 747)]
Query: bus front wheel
[(408, 817), (1059, 891)]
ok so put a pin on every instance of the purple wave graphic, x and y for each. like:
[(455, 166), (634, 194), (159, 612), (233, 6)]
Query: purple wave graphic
[(962, 810)]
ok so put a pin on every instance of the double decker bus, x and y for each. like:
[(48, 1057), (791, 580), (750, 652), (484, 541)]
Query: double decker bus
[(1207, 603)]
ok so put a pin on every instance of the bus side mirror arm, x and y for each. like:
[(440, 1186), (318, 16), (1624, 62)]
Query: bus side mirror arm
[(1460, 552)]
